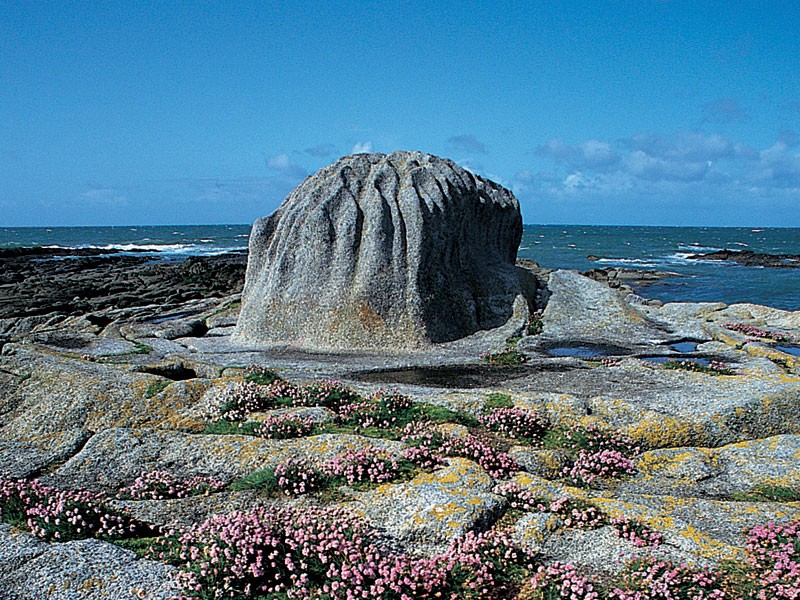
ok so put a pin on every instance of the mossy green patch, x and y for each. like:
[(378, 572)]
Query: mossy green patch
[(223, 427), (263, 481), (141, 545), (767, 492), (155, 387), (498, 400)]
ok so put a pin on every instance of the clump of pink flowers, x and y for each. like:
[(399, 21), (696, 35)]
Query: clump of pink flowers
[(381, 410), (577, 514), (364, 413), (241, 399), (285, 426), (422, 434), (610, 361), (774, 551), (559, 580), (507, 358), (392, 401), (259, 374), (649, 579), (521, 424), (498, 464), (714, 367), (250, 396), (519, 498), (330, 553), (329, 393), (756, 332), (598, 453), (369, 464), (589, 466), (483, 565), (636, 532), (298, 476), (160, 485), (423, 457), (62, 515), (594, 438)]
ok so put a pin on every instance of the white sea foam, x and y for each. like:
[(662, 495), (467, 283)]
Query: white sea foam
[(697, 248), (628, 261), (177, 248), (683, 259)]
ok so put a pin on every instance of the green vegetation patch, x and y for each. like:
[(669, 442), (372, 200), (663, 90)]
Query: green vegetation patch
[(768, 492), (155, 387)]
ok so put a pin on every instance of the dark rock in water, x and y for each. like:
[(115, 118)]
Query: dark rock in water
[(40, 281), (618, 277), (748, 258), (382, 251)]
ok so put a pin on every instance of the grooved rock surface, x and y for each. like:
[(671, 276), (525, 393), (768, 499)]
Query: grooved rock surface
[(31, 569), (379, 251)]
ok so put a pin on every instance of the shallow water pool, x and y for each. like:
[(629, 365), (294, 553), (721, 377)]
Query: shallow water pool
[(793, 350)]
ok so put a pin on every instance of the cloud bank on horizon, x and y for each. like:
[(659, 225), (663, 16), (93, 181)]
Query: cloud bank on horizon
[(654, 112)]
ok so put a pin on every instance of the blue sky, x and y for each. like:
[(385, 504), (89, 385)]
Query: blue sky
[(637, 112)]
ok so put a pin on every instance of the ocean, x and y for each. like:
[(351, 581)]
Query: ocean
[(552, 246)]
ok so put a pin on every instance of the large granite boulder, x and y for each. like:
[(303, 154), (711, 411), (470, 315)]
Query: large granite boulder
[(379, 251)]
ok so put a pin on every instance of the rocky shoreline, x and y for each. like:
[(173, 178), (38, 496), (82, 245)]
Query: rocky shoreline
[(46, 285), (116, 367)]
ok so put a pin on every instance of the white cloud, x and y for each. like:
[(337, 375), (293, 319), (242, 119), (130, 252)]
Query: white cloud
[(362, 148), (285, 166), (598, 154), (653, 168), (686, 157), (688, 145), (777, 166), (663, 178), (591, 154)]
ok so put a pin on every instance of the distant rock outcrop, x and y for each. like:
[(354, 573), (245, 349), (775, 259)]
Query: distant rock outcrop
[(379, 251), (748, 258)]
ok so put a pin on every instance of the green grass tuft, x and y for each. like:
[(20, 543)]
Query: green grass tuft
[(155, 387), (140, 546), (223, 427), (264, 481), (768, 492), (261, 376), (442, 414), (498, 400)]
